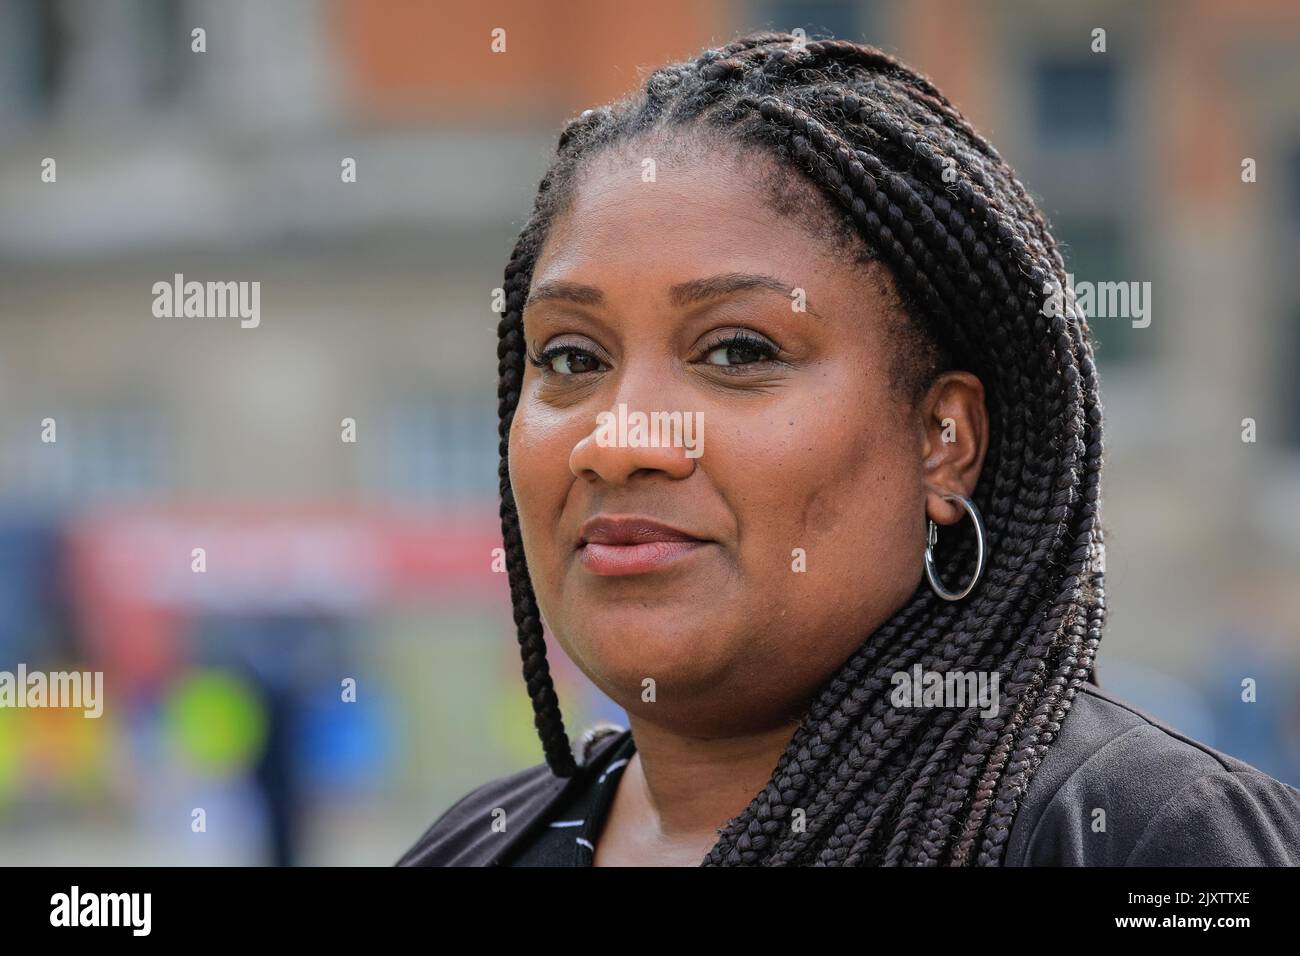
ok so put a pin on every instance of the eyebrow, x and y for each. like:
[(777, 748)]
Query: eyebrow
[(683, 293)]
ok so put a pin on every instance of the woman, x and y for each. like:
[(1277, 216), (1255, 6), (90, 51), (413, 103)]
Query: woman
[(853, 619)]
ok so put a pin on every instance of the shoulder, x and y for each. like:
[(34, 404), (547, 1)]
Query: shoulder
[(1119, 787), (465, 834)]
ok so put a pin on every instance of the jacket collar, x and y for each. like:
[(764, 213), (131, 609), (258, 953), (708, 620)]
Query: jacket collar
[(537, 799)]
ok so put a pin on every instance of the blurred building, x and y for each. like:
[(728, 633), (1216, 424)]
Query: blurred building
[(376, 303)]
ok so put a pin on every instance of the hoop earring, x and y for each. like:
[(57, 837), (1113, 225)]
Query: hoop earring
[(930, 571)]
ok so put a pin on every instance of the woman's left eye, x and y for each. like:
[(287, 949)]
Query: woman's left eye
[(740, 350), (565, 357)]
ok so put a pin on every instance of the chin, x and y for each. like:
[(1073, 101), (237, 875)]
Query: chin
[(684, 662)]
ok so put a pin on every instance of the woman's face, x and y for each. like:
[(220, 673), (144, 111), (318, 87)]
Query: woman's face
[(804, 476)]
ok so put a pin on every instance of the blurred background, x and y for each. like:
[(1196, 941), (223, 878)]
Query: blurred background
[(372, 560)]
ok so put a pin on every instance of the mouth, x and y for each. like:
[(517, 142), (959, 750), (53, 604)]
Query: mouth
[(615, 559), (610, 546)]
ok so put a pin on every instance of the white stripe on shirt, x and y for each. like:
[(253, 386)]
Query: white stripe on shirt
[(617, 764)]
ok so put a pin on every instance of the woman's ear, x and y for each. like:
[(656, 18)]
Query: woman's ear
[(956, 436)]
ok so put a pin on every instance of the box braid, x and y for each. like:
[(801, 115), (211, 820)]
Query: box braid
[(924, 192)]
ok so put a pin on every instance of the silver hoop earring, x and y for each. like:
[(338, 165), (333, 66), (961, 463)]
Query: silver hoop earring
[(930, 571)]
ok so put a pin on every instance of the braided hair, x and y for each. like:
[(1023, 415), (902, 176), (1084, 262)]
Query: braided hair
[(878, 784)]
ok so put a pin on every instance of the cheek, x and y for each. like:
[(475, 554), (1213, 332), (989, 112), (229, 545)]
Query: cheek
[(863, 496), (843, 483), (539, 444), (539, 447)]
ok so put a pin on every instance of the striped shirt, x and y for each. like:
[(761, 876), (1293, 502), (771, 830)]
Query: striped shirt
[(569, 837)]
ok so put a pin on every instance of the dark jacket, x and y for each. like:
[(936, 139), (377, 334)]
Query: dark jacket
[(1168, 801)]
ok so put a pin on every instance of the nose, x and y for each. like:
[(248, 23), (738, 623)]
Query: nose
[(616, 450)]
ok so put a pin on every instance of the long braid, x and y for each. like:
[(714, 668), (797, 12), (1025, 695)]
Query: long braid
[(528, 624), (972, 254)]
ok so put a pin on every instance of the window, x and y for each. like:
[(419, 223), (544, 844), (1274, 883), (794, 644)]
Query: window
[(31, 54), (1075, 99), (1293, 187), (841, 19), (437, 446), (1095, 250), (1289, 335), (1289, 374), (121, 450)]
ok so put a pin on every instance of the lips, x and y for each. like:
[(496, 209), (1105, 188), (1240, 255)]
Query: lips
[(616, 545), (629, 531)]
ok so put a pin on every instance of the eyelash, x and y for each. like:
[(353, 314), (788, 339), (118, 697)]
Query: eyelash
[(765, 349)]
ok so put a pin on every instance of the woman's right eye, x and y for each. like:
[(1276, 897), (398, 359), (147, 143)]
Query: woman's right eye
[(565, 360)]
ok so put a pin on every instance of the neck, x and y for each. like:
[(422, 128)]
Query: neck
[(690, 787)]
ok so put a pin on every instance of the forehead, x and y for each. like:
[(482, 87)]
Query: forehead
[(641, 215)]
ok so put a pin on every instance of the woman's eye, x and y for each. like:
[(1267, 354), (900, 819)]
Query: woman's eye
[(740, 350), (566, 360)]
